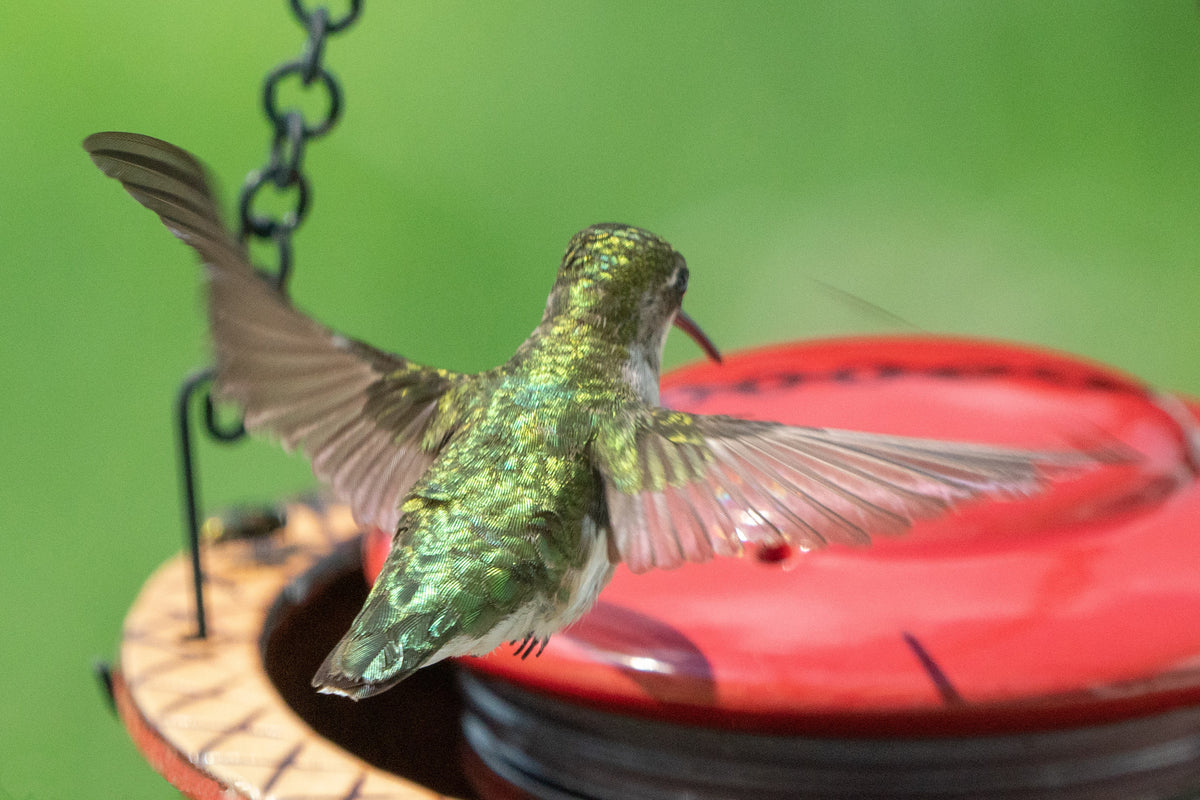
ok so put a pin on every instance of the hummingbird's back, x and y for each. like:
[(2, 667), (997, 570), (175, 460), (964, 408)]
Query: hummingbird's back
[(501, 539)]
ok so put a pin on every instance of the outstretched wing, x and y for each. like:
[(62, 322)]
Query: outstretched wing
[(685, 487), (371, 422)]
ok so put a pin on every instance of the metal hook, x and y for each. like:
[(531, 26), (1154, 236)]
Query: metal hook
[(191, 514)]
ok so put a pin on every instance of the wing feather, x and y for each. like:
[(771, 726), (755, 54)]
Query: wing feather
[(360, 414), (710, 485)]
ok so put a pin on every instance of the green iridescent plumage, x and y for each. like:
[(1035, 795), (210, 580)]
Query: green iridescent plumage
[(514, 492)]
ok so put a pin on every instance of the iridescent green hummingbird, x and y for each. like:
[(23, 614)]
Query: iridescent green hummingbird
[(514, 492)]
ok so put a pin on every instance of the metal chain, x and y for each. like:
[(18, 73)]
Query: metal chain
[(284, 170), (291, 133)]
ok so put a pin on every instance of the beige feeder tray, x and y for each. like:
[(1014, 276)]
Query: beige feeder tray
[(233, 715)]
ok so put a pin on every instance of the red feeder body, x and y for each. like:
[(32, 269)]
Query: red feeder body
[(1078, 605)]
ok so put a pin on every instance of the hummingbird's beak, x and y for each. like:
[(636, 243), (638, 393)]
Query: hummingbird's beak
[(689, 326)]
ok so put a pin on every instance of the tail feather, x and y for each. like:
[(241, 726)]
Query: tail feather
[(395, 634), (361, 665)]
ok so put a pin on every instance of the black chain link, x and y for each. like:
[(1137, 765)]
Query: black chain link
[(291, 133), (284, 170)]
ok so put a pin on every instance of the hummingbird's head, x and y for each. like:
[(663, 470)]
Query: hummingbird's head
[(627, 281)]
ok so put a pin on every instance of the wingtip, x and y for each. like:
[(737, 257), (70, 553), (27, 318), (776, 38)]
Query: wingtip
[(1088, 455), (114, 152), (97, 144), (100, 144), (1114, 453), (1189, 426), (100, 139)]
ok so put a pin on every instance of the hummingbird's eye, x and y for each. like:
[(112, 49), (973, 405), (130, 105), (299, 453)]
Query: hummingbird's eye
[(681, 280)]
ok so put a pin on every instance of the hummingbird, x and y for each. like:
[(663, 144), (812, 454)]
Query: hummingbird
[(513, 493)]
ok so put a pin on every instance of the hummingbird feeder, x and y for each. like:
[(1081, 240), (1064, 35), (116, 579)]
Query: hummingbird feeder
[(1034, 648)]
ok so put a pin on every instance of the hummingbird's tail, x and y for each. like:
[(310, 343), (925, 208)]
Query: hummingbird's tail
[(361, 666), (392, 637), (438, 596)]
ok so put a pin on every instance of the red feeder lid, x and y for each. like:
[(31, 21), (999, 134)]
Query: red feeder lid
[(1079, 605)]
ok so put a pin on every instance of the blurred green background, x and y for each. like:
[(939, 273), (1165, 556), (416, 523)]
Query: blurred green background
[(1021, 170)]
